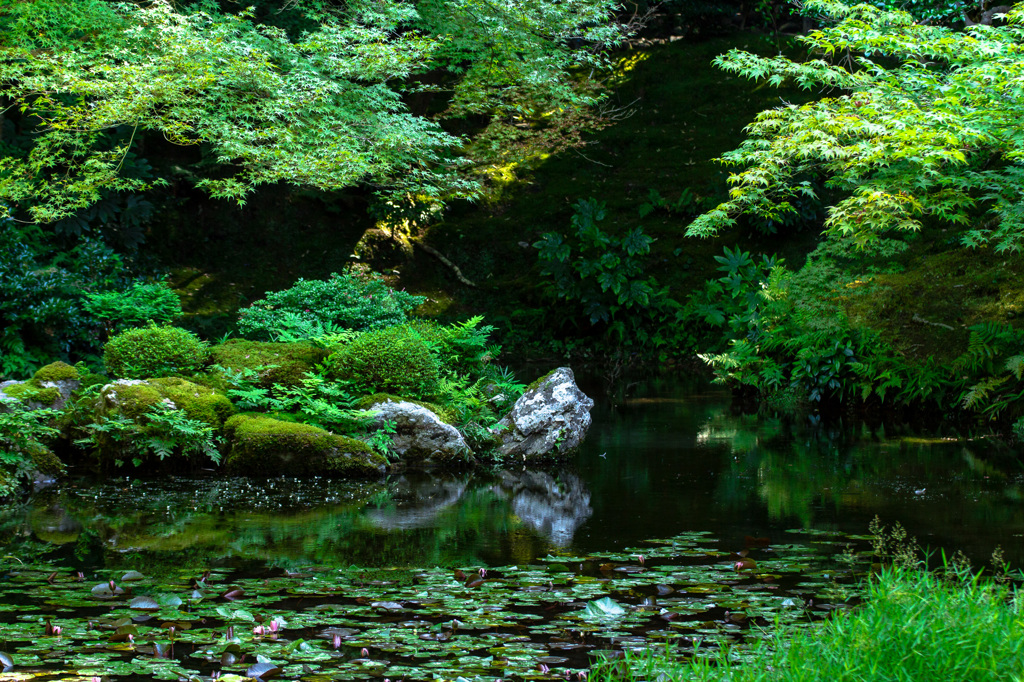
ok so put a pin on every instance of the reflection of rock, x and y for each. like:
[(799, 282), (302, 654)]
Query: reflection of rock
[(417, 502), (549, 420), (421, 438), (553, 505), (53, 524)]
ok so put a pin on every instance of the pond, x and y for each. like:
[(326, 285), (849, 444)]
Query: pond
[(679, 521)]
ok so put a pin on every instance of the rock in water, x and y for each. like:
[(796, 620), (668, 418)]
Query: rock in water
[(549, 421), (421, 439)]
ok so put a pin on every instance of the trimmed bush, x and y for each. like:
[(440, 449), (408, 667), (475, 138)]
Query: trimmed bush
[(345, 301), (154, 351), (391, 360)]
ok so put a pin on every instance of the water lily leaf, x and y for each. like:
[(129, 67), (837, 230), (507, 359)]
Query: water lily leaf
[(263, 671), (143, 603), (604, 608)]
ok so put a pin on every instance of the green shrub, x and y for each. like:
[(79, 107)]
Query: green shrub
[(390, 360), (154, 351), (345, 301), (142, 303)]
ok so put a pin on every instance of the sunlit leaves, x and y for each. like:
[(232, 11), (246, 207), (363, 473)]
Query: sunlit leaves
[(322, 109), (921, 121)]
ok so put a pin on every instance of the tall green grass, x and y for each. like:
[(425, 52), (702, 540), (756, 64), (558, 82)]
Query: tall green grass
[(914, 627)]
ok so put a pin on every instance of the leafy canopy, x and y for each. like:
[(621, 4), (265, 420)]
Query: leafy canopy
[(917, 122), (323, 108)]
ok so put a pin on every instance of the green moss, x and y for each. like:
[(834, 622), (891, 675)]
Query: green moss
[(45, 461), (199, 402), (276, 363), (925, 310), (28, 393), (390, 360), (367, 402), (540, 380), (131, 400), (56, 371), (267, 446)]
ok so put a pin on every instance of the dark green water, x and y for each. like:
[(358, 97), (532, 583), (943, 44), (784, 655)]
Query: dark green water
[(673, 460)]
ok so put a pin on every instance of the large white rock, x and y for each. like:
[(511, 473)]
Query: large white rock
[(421, 439), (547, 422)]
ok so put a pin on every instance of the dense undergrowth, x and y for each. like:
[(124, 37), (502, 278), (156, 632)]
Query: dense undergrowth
[(305, 381)]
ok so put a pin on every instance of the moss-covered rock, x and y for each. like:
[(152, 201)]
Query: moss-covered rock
[(133, 398), (262, 445), (45, 461), (367, 403), (33, 396), (275, 363), (50, 386)]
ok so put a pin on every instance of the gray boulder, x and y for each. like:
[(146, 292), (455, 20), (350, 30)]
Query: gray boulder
[(549, 421), (421, 439)]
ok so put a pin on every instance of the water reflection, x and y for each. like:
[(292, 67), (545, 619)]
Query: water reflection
[(674, 460)]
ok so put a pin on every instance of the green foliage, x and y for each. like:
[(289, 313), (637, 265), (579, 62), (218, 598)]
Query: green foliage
[(154, 351), (42, 291), (389, 360), (604, 276), (461, 348), (788, 334), (314, 400), (345, 301), (162, 431), (137, 306), (922, 126), (22, 431), (904, 631), (322, 107)]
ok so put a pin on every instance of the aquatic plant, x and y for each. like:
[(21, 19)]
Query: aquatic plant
[(915, 625), (538, 621)]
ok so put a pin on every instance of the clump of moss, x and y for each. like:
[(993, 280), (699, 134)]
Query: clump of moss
[(45, 461), (55, 371), (275, 363), (390, 360), (41, 390), (31, 395), (539, 380), (154, 351), (263, 445)]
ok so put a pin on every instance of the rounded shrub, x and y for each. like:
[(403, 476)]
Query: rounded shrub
[(154, 351), (390, 360), (313, 307)]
